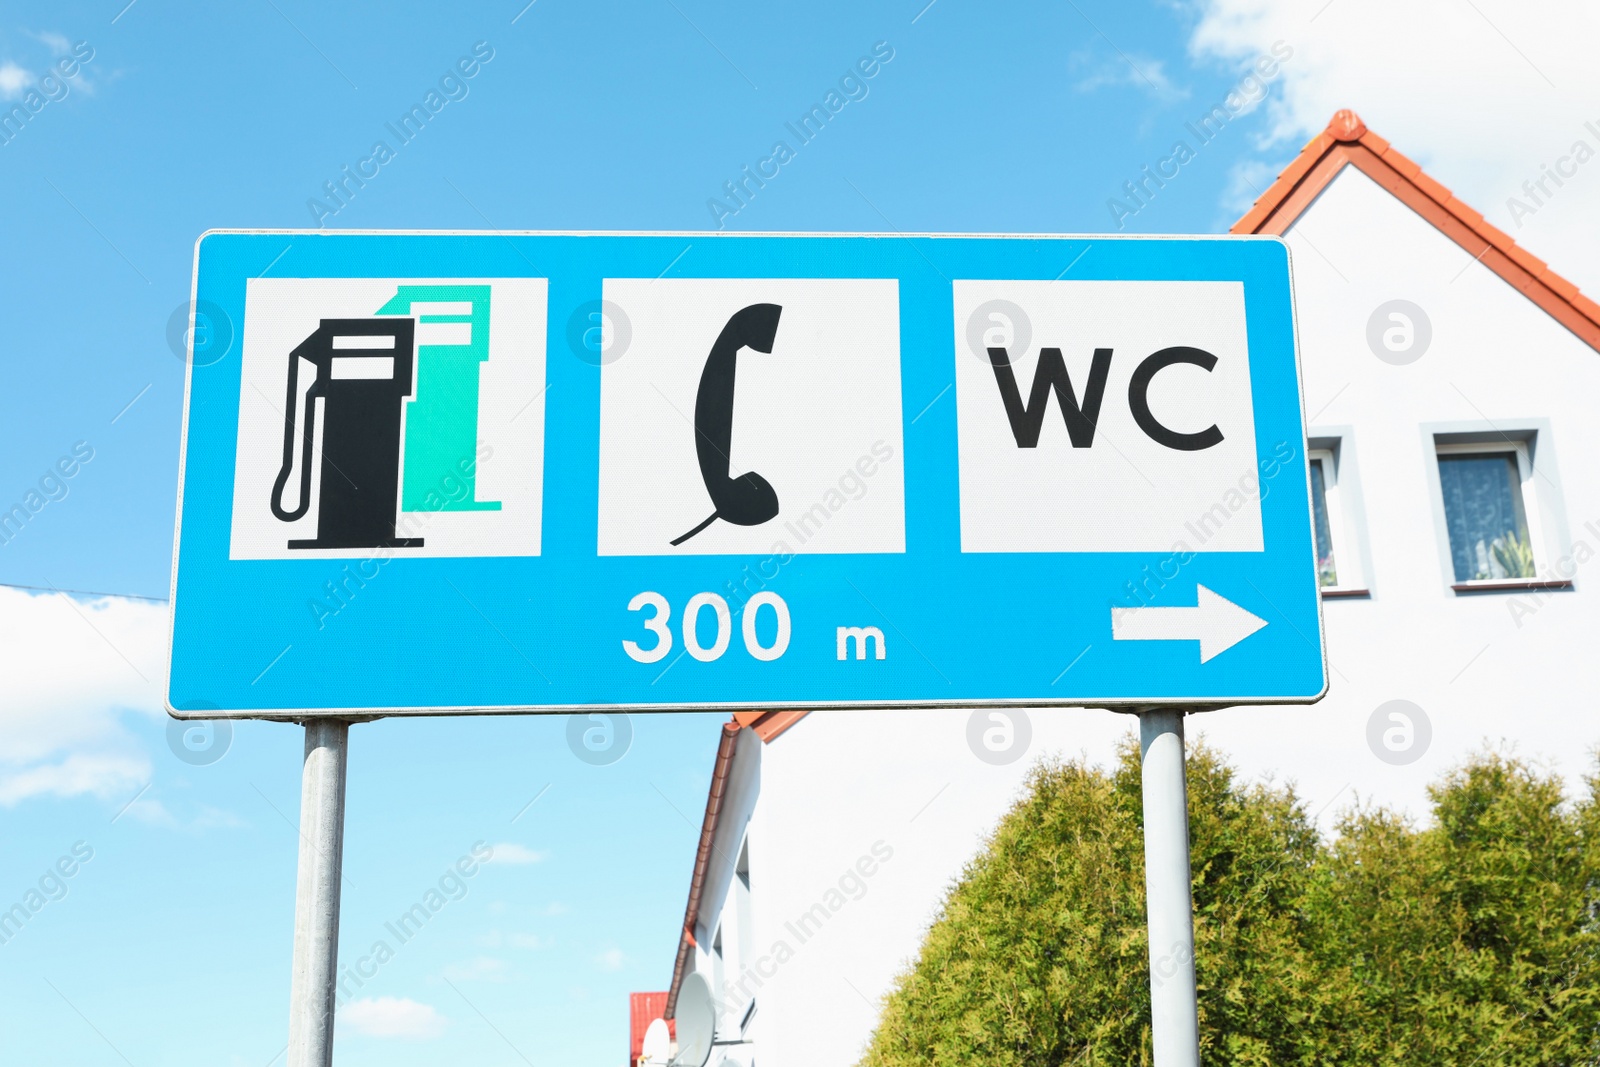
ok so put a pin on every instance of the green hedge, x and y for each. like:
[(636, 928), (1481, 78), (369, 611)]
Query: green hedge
[(1473, 941)]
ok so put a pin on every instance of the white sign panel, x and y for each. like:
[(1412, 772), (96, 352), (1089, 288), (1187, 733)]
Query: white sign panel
[(467, 403), (1156, 376), (823, 369)]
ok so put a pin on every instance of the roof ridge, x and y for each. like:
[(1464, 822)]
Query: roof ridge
[(1347, 141)]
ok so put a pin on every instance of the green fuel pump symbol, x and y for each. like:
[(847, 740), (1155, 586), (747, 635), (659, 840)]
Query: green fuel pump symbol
[(442, 417)]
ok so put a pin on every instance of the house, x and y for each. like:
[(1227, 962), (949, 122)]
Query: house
[(1447, 381)]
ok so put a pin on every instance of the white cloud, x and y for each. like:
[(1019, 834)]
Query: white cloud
[(57, 43), (149, 810), (211, 818), (517, 854), (13, 79), (500, 939), (1482, 95), (1140, 72), (612, 959), (103, 775), (73, 669), (1247, 180), (479, 969), (392, 1017)]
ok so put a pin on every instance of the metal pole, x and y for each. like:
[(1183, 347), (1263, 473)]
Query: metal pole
[(1168, 901), (316, 900)]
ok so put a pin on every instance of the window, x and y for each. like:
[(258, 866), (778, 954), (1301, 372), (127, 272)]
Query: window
[(1340, 570), (1327, 569), (719, 976), (1492, 528), (741, 901)]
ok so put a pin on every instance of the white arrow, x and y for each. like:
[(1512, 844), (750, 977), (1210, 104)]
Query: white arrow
[(1216, 622)]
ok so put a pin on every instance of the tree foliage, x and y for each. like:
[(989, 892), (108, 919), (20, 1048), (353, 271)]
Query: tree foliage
[(1472, 940)]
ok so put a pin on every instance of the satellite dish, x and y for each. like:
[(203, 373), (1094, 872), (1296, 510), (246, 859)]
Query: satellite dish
[(697, 1022), (657, 1049)]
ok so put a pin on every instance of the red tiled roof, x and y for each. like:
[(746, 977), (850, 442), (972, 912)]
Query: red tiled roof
[(644, 1009), (1348, 142)]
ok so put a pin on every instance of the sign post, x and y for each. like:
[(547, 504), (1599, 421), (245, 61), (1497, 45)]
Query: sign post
[(1169, 902), (467, 473), (316, 905)]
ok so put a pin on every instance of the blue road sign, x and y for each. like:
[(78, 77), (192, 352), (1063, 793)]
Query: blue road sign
[(441, 472)]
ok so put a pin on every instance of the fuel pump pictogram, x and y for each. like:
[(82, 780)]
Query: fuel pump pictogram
[(352, 375)]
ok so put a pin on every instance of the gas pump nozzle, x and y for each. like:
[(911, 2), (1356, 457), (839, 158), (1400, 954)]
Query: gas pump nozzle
[(361, 372)]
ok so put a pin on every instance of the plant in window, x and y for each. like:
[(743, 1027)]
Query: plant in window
[(1327, 571), (1512, 556)]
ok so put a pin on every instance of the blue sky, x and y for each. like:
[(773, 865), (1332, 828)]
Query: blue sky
[(589, 117), (171, 944)]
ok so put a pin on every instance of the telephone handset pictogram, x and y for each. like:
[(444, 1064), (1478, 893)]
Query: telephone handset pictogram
[(749, 499), (361, 372)]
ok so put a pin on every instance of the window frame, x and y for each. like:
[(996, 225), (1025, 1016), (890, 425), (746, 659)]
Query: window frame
[(1531, 440), (1528, 497), (1337, 535), (719, 973), (1341, 484), (743, 906)]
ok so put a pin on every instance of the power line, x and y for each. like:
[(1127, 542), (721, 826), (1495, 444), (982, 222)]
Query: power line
[(82, 592)]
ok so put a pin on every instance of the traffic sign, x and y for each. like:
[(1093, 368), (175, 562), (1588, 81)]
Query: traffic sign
[(465, 472)]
